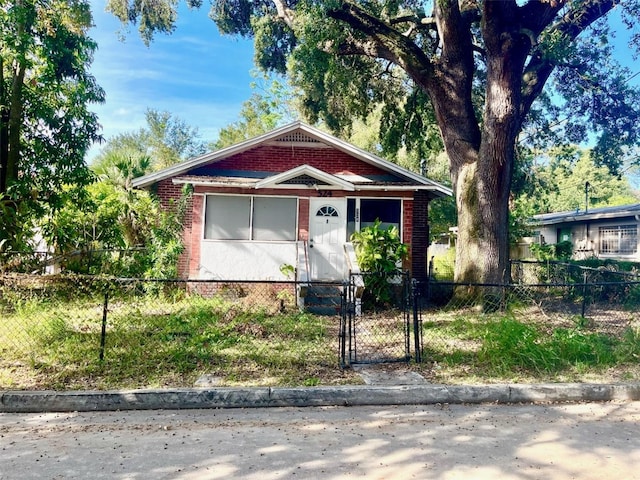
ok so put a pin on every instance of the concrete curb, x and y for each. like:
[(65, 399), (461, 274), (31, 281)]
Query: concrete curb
[(85, 401)]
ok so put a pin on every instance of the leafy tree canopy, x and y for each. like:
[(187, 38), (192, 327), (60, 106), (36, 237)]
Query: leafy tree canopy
[(573, 180), (272, 104), (45, 124), (164, 141)]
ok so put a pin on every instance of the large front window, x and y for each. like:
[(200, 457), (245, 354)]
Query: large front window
[(229, 217), (622, 239), (364, 212)]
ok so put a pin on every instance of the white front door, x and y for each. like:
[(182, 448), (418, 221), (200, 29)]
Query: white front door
[(327, 236)]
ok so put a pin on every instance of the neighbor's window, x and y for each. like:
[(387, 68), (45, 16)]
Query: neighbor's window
[(250, 218), (622, 239)]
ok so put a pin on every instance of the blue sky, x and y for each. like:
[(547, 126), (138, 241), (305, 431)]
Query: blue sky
[(194, 73)]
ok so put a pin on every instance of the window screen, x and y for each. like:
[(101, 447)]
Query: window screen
[(274, 218), (227, 218)]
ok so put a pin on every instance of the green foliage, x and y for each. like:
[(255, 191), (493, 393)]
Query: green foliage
[(46, 125), (117, 230), (442, 265), (379, 251), (164, 141), (164, 245), (557, 251), (158, 340), (560, 182), (442, 216), (509, 345), (271, 105)]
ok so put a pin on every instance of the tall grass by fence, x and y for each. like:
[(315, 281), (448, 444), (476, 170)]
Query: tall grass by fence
[(113, 332), (76, 331)]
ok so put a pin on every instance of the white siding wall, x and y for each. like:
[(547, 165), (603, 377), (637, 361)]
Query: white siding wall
[(240, 260)]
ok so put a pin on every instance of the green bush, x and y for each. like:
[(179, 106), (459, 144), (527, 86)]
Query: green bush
[(379, 251), (557, 251)]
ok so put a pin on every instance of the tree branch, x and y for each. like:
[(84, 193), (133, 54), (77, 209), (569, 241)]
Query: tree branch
[(284, 12), (570, 25), (386, 42)]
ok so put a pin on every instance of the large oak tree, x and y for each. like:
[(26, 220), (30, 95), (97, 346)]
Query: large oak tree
[(481, 65)]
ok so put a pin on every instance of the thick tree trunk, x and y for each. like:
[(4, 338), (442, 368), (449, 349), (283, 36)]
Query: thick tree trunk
[(481, 173)]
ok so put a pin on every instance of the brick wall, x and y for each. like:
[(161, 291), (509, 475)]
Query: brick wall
[(420, 235), (280, 159), (407, 226), (303, 219), (193, 242), (169, 194)]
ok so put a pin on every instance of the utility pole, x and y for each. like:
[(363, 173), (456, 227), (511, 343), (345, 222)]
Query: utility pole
[(586, 197)]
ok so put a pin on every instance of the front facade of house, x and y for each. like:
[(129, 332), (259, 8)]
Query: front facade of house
[(291, 198), (608, 232)]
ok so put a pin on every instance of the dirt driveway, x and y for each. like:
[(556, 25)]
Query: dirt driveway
[(573, 441)]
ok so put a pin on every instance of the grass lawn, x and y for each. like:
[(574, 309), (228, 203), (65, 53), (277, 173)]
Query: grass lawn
[(159, 341), (170, 341)]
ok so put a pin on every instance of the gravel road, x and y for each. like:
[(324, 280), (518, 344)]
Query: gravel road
[(571, 441)]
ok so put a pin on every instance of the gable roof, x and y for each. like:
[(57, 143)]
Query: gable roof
[(300, 133), (602, 213), (305, 175)]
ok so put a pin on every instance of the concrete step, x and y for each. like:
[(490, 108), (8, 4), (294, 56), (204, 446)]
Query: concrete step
[(323, 299)]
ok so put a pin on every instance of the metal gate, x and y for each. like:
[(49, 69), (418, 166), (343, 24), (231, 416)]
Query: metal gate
[(373, 334)]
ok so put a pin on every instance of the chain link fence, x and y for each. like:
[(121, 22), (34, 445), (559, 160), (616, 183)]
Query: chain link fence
[(378, 324), (81, 331), (131, 261), (552, 317)]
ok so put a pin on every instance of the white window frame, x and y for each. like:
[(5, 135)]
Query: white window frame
[(251, 215)]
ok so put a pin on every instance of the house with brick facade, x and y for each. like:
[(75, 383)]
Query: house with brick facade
[(291, 197)]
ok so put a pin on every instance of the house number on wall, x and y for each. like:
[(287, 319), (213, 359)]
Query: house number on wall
[(325, 193)]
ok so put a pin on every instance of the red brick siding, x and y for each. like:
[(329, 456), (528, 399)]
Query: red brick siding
[(280, 159), (303, 219), (196, 236), (407, 225), (420, 235), (169, 194)]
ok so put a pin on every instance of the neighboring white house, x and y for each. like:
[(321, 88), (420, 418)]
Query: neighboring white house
[(607, 232)]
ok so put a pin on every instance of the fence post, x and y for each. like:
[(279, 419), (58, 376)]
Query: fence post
[(417, 327), (342, 334), (103, 335), (584, 293)]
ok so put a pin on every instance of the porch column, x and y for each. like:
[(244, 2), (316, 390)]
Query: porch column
[(420, 235)]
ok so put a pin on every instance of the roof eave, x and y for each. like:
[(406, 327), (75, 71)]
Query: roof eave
[(183, 167)]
